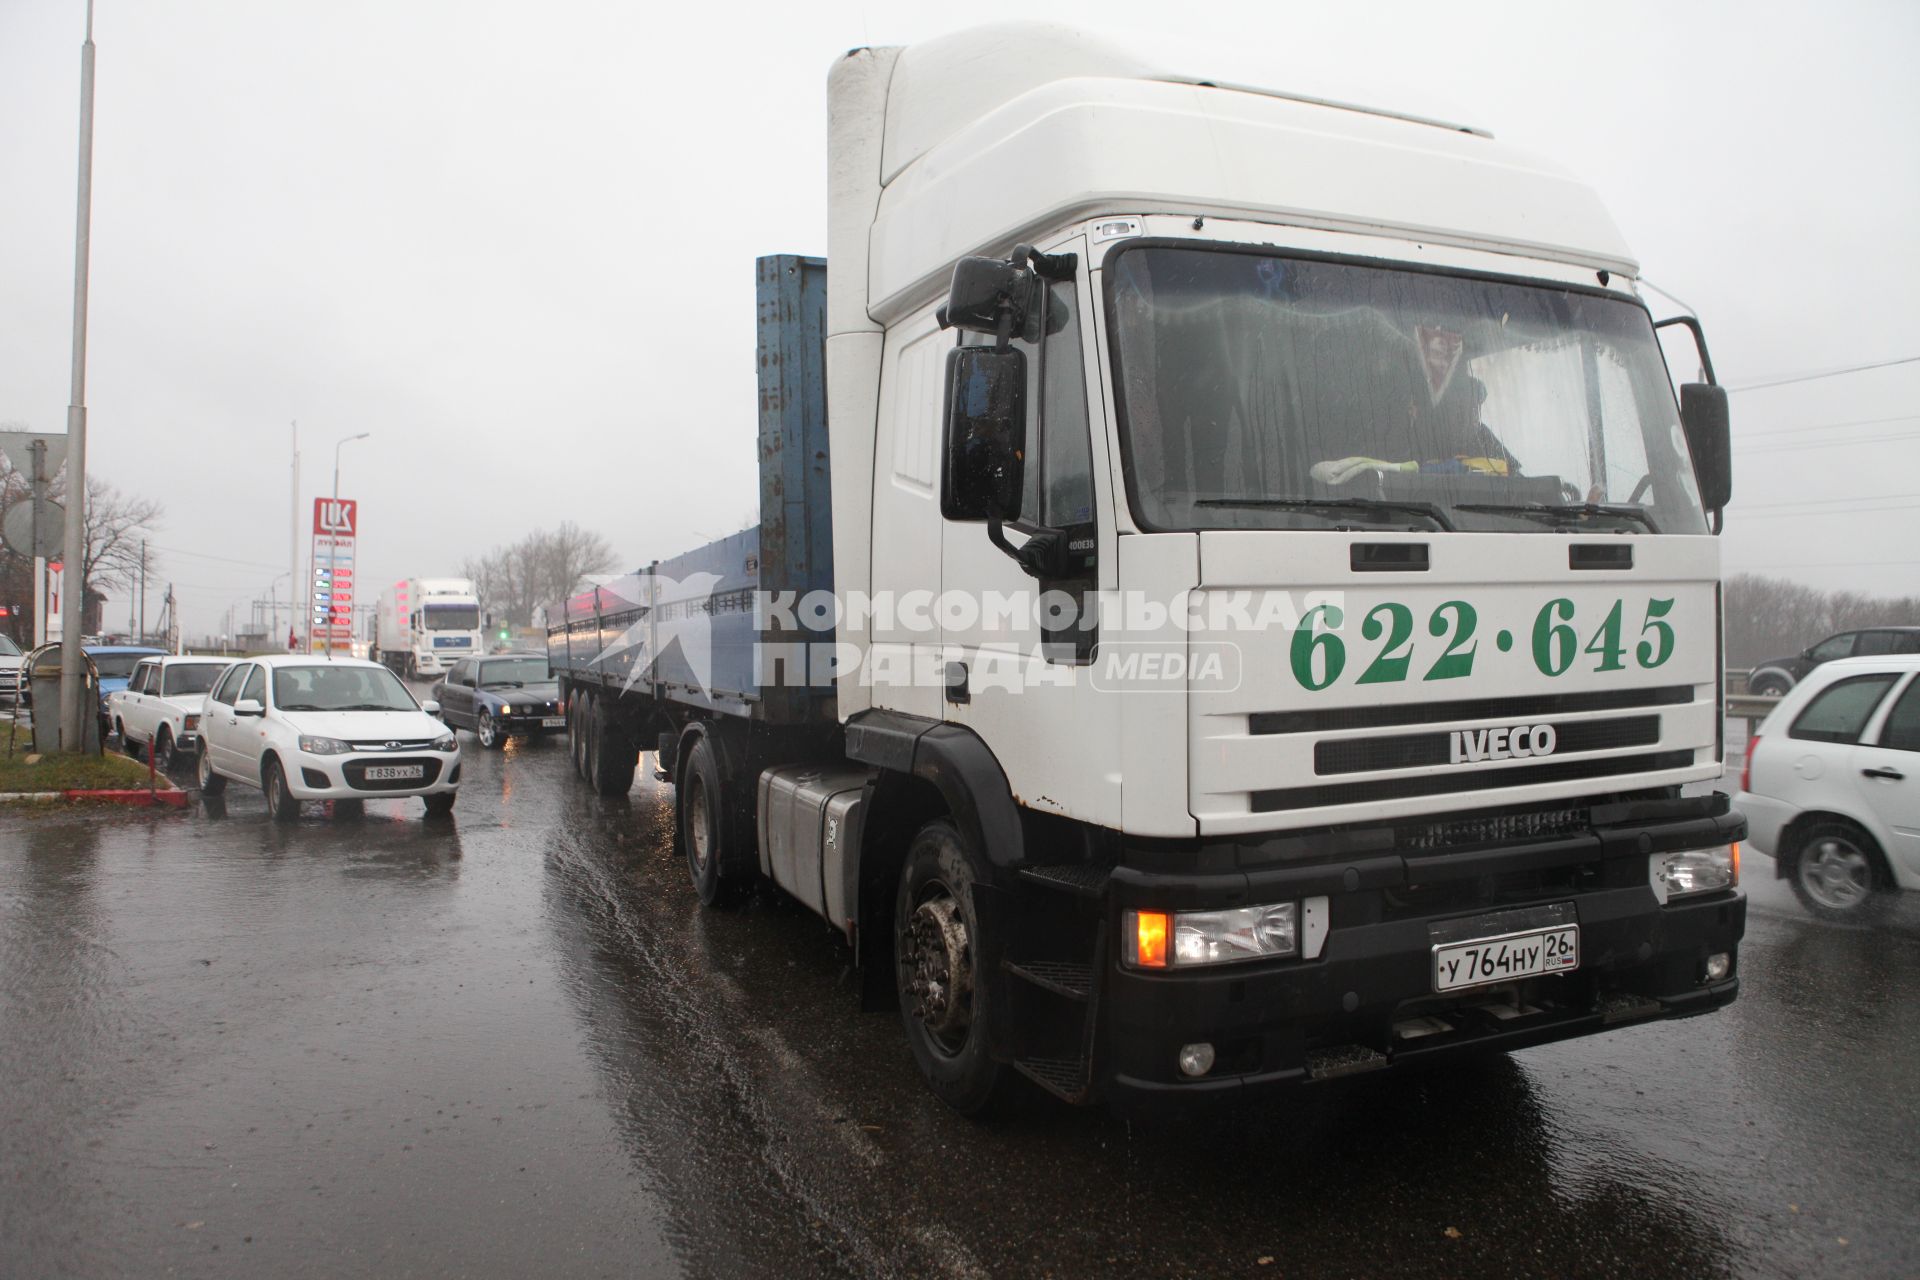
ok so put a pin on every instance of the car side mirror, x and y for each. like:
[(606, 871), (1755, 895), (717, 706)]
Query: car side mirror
[(431, 707), (1703, 416), (249, 707), (986, 434)]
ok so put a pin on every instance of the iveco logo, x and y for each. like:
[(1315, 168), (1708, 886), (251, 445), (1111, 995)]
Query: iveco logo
[(1470, 746)]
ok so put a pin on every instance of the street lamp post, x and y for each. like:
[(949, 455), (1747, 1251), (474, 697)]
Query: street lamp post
[(334, 541)]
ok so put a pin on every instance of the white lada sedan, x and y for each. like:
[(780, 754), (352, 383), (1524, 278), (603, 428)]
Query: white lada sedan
[(306, 728)]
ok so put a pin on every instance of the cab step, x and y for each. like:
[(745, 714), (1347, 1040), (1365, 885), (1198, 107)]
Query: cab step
[(1064, 1078)]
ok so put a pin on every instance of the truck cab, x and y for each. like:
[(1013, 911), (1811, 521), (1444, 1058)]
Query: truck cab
[(1272, 625)]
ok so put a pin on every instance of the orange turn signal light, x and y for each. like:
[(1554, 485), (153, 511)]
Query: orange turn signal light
[(1149, 939), (1736, 862)]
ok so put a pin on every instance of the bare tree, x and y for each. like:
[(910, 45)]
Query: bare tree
[(542, 568), (1770, 617), (116, 526)]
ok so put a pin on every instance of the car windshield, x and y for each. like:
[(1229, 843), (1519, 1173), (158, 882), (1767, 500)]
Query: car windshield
[(116, 666), (191, 677), (452, 617), (1260, 391), (337, 687), (514, 673), (8, 649)]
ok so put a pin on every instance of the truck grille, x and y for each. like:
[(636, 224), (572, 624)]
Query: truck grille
[(1527, 708), (1281, 799), (1415, 750)]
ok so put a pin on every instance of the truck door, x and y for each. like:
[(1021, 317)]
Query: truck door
[(904, 634), (1018, 649)]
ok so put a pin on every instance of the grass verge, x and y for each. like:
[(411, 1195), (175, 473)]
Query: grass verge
[(55, 772)]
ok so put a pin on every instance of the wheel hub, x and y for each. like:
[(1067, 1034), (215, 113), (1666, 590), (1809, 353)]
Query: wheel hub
[(1836, 874), (939, 969)]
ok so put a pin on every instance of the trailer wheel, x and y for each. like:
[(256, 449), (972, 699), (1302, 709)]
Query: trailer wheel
[(943, 958), (703, 826), (613, 755), (576, 739)]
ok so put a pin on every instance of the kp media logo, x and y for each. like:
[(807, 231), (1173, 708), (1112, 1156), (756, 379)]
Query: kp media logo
[(335, 517)]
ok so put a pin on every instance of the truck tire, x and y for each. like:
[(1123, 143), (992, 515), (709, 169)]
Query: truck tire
[(943, 959), (576, 712), (705, 833), (614, 757)]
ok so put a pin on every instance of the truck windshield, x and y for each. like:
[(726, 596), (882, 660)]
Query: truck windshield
[(453, 617), (1260, 391)]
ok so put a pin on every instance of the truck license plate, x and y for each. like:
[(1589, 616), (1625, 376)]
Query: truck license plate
[(553, 722), (396, 772), (1479, 962)]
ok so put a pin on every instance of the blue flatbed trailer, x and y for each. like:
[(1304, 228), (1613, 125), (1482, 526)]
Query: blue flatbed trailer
[(684, 637)]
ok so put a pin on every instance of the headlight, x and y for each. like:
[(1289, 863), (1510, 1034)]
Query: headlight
[(323, 746), (1691, 871), (506, 708), (446, 744), (1182, 939), (192, 723)]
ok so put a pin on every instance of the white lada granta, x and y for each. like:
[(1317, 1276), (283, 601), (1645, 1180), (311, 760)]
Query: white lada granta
[(306, 728)]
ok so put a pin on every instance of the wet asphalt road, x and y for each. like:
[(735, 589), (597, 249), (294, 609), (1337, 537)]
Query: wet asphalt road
[(513, 1045)]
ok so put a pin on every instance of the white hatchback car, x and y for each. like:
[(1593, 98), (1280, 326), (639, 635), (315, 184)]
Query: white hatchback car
[(306, 728), (1831, 787)]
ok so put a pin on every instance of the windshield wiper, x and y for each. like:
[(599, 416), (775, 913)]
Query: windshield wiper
[(504, 684), (370, 706), (1427, 509), (1560, 513)]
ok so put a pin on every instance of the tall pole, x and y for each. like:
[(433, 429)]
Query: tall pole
[(294, 594), (73, 708), (143, 592)]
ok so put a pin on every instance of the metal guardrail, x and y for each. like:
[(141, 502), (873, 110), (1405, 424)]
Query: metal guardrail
[(1748, 707)]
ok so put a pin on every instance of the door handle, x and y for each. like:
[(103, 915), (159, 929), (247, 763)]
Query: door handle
[(1891, 775)]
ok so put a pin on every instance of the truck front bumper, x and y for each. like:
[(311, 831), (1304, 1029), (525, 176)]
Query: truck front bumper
[(1366, 1000), (1366, 1004)]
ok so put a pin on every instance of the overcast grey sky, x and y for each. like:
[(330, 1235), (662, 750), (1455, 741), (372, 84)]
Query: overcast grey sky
[(516, 242)]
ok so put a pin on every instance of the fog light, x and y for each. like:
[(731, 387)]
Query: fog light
[(1719, 965), (1197, 1059)]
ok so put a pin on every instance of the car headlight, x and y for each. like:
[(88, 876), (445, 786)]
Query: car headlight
[(1692, 871), (506, 708), (323, 746), (192, 723), (447, 743), (1183, 939)]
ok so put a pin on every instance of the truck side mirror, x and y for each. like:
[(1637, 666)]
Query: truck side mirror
[(984, 467), (1703, 416), (984, 293)]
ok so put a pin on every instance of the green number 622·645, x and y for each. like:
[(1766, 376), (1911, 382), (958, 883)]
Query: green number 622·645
[(1319, 653)]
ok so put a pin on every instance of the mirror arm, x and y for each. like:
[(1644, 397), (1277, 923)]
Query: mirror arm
[(1692, 324)]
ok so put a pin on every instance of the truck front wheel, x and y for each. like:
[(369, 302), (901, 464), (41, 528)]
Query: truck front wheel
[(943, 958), (703, 826)]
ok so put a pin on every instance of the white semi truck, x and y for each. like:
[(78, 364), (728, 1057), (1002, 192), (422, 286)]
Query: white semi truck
[(425, 625), (1236, 602)]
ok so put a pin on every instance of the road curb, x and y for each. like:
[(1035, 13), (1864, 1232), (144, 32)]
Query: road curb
[(141, 798)]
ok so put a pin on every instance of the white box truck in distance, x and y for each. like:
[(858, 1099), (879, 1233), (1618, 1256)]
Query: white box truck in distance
[(1236, 600), (425, 625)]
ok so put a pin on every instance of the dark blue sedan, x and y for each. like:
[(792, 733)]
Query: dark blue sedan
[(496, 697)]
